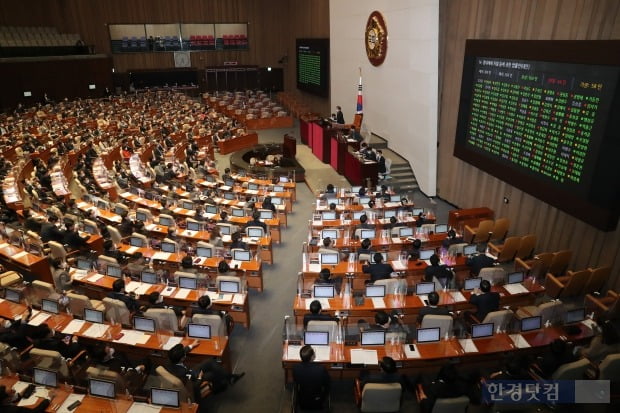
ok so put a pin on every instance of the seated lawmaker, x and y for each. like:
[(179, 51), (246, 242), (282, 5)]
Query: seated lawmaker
[(118, 293), (378, 270), (311, 380), (316, 315)]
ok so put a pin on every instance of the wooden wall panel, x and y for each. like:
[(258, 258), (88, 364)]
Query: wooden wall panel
[(467, 186)]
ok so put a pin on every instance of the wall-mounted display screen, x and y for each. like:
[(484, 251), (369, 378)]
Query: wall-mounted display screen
[(313, 66), (539, 115)]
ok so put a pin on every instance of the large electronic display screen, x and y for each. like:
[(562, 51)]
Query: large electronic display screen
[(544, 116), (313, 66)]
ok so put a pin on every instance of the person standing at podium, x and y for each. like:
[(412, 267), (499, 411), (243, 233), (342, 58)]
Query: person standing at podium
[(339, 115)]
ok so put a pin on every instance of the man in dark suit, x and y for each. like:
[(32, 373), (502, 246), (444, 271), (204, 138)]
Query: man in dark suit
[(478, 262), (378, 270), (49, 231), (485, 300), (389, 374), (118, 293), (432, 308), (441, 272), (9, 399), (256, 222), (339, 115), (311, 380), (316, 315), (208, 370), (381, 161), (72, 238)]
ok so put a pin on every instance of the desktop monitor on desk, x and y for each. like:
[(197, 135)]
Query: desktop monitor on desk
[(148, 277), (113, 271), (187, 205), (169, 247), (90, 229), (424, 288), (372, 338), (237, 212), (470, 249), (441, 228), (229, 287), (84, 264), (188, 282), (395, 198), (229, 196), (482, 330), (204, 252), (329, 258), (329, 233), (316, 338), (141, 216), (405, 232), (118, 210), (45, 377), (102, 205), (230, 182), (102, 388), (144, 324), (277, 200), (375, 291), (192, 226), (426, 254), (211, 209), (364, 200), (515, 277), (242, 255), (251, 186), (284, 179), (49, 306), (417, 211), (93, 316), (389, 213), (266, 215), (255, 232), (324, 291), (367, 233), (224, 229), (428, 335), (136, 242), (165, 397), (472, 283), (278, 188), (329, 215), (531, 323), (165, 221), (12, 295), (199, 331)]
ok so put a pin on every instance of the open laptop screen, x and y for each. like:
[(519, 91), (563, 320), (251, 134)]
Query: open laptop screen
[(229, 286), (12, 295), (144, 324), (136, 242), (328, 259), (482, 330), (405, 232), (204, 252), (255, 232), (241, 255), (113, 271), (83, 264), (329, 215), (426, 254), (187, 282), (372, 338), (320, 338), (472, 283), (428, 335), (367, 233), (266, 214), (575, 316), (49, 306), (193, 226), (169, 247), (329, 233), (237, 212), (515, 278), (165, 397), (470, 249), (148, 277), (389, 213), (202, 331)]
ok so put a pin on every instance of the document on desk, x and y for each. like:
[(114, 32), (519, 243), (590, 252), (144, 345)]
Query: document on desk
[(131, 250), (20, 386), (361, 356), (19, 255), (29, 401), (95, 277), (424, 299), (143, 408), (519, 341), (409, 353), (78, 274), (172, 341), (162, 256), (72, 398), (515, 289), (150, 227), (314, 267), (322, 353), (38, 319), (378, 302), (468, 345), (144, 287), (4, 245), (167, 292), (132, 286), (82, 204), (132, 337), (73, 327), (398, 265), (96, 330), (126, 194), (238, 299), (457, 296), (182, 293), (115, 218), (292, 352), (224, 297)]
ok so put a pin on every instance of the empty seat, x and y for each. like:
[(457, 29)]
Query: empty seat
[(378, 397), (500, 230), (506, 252), (526, 247), (570, 285), (479, 234), (598, 278)]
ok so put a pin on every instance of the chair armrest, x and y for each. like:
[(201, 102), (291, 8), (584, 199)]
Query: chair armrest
[(495, 248), (612, 293), (26, 350), (82, 353), (595, 305), (472, 318), (553, 285), (419, 392), (469, 233), (522, 265), (357, 392)]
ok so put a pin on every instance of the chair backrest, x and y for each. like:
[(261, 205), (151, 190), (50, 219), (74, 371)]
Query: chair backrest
[(539, 265), (77, 303), (500, 229), (57, 250), (526, 247), (571, 371), (178, 274), (444, 322), (172, 382), (167, 217), (218, 326), (103, 373), (49, 359), (509, 249), (145, 241), (92, 224), (609, 369), (106, 260), (494, 275), (455, 249), (41, 290), (483, 231), (116, 310), (575, 284), (597, 279), (560, 261), (500, 319), (165, 318), (324, 325), (391, 284), (381, 397), (363, 257), (552, 311), (115, 235), (451, 405), (146, 212)]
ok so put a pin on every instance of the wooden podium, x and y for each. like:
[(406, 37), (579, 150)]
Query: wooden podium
[(458, 218), (338, 146)]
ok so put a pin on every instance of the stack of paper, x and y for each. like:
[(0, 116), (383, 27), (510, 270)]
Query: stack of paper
[(167, 292), (292, 352), (38, 319), (131, 250), (144, 287), (238, 299), (322, 353), (143, 408), (224, 297), (314, 267), (468, 345), (457, 296), (95, 277), (79, 274), (19, 255), (96, 330), (516, 289), (132, 286), (182, 293), (172, 341), (519, 341), (73, 327), (132, 337), (162, 256), (398, 265), (361, 356)]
